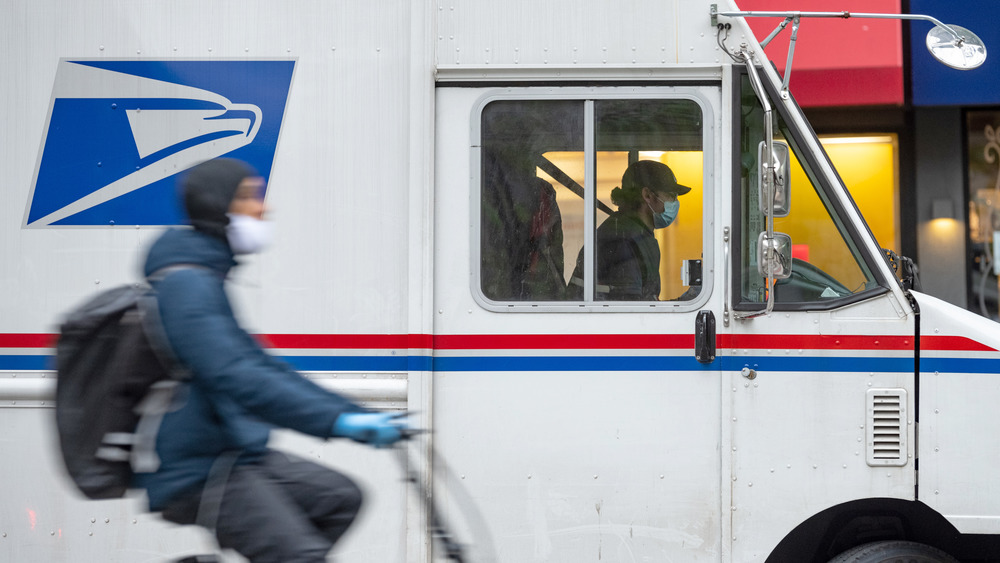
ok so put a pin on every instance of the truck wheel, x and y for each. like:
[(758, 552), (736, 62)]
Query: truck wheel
[(893, 552)]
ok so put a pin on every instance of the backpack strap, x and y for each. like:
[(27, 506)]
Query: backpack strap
[(151, 409), (160, 397), (152, 324)]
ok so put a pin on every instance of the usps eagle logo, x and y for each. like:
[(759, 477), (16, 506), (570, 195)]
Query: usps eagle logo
[(119, 132)]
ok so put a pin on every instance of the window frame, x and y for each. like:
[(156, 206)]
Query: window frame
[(707, 95), (821, 182)]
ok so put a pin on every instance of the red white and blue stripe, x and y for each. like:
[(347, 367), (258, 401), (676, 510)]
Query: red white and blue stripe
[(397, 353)]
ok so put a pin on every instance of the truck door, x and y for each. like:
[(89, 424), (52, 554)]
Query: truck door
[(569, 408), (822, 388)]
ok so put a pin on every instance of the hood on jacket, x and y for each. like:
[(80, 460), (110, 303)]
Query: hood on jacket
[(207, 192)]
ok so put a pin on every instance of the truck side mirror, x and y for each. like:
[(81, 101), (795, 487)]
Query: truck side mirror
[(956, 46), (774, 255), (778, 175)]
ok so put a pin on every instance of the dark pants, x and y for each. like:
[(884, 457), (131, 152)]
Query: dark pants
[(284, 510)]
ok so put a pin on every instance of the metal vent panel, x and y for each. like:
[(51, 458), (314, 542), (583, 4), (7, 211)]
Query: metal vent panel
[(886, 427)]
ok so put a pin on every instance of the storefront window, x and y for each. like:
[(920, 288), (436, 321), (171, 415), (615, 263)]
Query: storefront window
[(984, 210)]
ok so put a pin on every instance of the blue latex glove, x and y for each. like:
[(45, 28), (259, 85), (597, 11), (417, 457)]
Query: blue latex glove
[(376, 429)]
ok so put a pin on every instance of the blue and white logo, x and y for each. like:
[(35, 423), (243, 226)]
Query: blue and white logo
[(119, 132)]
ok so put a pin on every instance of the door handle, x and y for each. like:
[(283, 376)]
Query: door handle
[(704, 337)]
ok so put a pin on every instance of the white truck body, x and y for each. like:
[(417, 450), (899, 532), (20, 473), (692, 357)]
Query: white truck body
[(580, 430)]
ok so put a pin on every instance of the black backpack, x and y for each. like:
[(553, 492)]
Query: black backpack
[(116, 376)]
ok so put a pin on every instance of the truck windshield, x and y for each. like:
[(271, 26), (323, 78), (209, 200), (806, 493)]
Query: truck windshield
[(826, 262)]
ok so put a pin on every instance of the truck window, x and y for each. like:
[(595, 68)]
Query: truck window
[(550, 178), (522, 255), (827, 265)]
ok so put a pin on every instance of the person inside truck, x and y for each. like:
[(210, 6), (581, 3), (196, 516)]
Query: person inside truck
[(215, 468), (627, 261), (522, 236)]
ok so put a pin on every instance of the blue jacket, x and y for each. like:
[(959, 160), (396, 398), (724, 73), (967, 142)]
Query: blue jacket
[(237, 392)]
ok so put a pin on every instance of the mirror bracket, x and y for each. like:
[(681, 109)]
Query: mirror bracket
[(747, 57)]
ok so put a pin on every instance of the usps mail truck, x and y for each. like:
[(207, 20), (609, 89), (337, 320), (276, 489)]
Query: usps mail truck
[(437, 172)]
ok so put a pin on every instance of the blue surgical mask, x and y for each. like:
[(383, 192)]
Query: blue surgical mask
[(670, 209)]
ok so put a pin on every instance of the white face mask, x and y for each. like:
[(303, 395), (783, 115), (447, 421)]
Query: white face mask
[(246, 234)]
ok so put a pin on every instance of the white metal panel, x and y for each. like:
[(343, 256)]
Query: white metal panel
[(959, 393), (583, 466), (567, 32), (799, 420), (568, 465), (341, 183)]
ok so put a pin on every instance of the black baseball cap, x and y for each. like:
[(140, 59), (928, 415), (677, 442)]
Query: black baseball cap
[(653, 175)]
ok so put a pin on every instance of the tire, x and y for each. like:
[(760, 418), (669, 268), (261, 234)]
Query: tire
[(894, 552)]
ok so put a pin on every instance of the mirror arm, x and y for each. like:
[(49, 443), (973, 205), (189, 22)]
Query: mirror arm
[(843, 14), (791, 54), (781, 26)]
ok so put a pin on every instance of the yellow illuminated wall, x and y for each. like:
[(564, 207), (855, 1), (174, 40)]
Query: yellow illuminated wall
[(868, 167), (682, 240)]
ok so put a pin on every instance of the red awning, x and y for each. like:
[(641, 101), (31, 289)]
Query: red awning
[(837, 61)]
